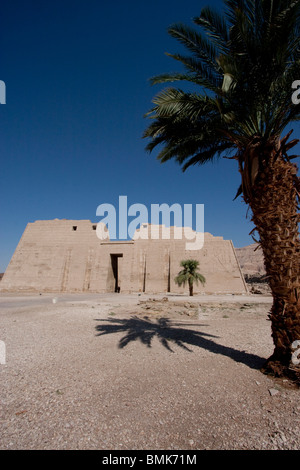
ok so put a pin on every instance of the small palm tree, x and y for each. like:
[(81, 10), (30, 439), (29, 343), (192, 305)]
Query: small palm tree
[(242, 65), (189, 274)]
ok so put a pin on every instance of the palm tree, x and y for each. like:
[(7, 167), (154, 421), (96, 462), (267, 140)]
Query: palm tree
[(189, 274), (243, 64)]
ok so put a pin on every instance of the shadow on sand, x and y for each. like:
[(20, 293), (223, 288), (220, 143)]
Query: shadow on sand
[(170, 333)]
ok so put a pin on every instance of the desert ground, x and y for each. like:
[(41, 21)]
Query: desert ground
[(141, 372)]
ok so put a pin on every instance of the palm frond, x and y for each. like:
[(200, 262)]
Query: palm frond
[(196, 43), (209, 155), (216, 28), (244, 63)]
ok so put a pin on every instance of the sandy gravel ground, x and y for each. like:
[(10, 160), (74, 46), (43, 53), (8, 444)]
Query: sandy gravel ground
[(126, 372)]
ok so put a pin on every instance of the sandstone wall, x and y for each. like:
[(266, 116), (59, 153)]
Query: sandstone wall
[(67, 256)]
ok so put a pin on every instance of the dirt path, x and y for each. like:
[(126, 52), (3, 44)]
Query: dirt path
[(129, 372)]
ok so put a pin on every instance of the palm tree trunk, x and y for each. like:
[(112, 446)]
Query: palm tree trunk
[(191, 287), (270, 187)]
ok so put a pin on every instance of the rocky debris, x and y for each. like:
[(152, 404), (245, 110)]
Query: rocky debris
[(160, 308), (251, 261), (159, 305), (262, 287), (273, 391)]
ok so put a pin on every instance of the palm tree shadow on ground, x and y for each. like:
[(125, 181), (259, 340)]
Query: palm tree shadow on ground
[(169, 333)]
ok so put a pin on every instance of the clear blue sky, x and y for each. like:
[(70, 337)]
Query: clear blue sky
[(77, 76)]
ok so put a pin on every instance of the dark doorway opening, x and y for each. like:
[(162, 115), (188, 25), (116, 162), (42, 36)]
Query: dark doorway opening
[(115, 270), (144, 278), (169, 275)]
